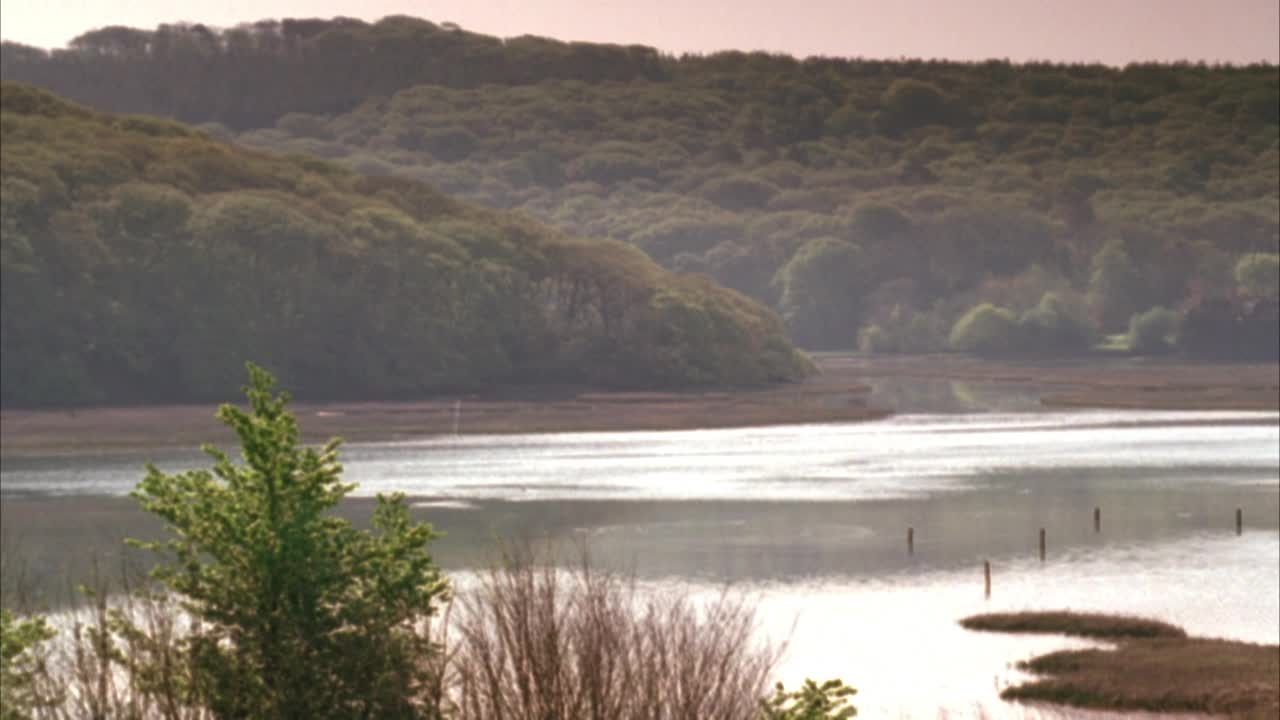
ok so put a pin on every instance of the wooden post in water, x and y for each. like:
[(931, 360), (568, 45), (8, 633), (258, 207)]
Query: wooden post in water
[(911, 541), (1239, 521), (986, 578), (1041, 544), (1097, 519)]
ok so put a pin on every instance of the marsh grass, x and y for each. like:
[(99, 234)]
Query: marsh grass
[(1154, 666), (1164, 674), (1089, 625)]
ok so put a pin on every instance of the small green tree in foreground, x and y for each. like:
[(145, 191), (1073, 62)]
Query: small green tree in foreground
[(295, 613), (828, 701)]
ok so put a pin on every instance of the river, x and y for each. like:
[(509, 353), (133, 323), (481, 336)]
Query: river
[(811, 521)]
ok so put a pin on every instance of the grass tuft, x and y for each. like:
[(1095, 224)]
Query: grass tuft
[(1154, 667), (1090, 625)]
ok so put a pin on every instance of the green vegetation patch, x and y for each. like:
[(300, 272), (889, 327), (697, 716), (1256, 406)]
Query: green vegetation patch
[(1213, 676), (143, 261), (870, 203), (1090, 625), (1154, 666)]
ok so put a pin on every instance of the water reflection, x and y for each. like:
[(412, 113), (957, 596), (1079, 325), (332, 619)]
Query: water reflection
[(933, 395)]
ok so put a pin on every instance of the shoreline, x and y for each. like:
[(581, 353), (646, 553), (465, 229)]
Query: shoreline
[(839, 393), (1119, 383)]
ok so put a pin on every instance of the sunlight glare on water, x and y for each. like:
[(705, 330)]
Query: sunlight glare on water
[(811, 521), (901, 457)]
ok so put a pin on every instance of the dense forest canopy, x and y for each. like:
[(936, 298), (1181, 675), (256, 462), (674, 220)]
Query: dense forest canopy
[(142, 260), (250, 75), (869, 202)]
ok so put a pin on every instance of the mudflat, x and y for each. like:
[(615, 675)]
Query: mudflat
[(562, 410), (1128, 383), (839, 393)]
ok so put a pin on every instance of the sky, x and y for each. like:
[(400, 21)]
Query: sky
[(1114, 32)]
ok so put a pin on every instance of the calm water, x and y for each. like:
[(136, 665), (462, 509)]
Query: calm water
[(811, 521)]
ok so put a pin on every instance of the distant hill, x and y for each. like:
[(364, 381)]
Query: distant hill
[(249, 76), (872, 202), (143, 261)]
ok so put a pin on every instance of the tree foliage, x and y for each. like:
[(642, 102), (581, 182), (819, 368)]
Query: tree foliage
[(1259, 274), (828, 701), (19, 640), (901, 331), (298, 614), (818, 286), (143, 262), (1153, 331), (986, 330), (1054, 326), (1228, 327), (946, 175), (302, 65), (1115, 285)]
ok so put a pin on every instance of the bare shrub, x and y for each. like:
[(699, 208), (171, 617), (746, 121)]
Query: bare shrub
[(527, 639), (118, 655), (537, 641)]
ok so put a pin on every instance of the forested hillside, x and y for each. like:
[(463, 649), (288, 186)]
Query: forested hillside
[(872, 202), (141, 260)]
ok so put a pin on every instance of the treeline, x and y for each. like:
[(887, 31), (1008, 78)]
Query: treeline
[(866, 201), (250, 75), (142, 261), (849, 194)]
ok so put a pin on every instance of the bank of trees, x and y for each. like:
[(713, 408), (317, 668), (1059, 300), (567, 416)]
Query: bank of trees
[(254, 74), (1134, 187), (143, 261), (1052, 327), (714, 173), (1239, 322)]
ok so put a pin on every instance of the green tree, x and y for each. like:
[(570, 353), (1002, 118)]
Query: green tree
[(1259, 274), (828, 701), (18, 637), (1115, 286), (1153, 331), (873, 339), (910, 103), (820, 290), (1053, 325), (297, 613), (901, 331), (875, 221), (985, 330)]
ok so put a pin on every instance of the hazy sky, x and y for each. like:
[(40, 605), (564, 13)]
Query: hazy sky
[(1109, 31)]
